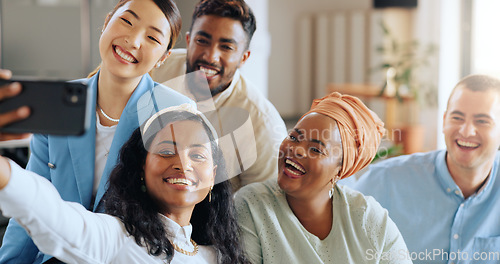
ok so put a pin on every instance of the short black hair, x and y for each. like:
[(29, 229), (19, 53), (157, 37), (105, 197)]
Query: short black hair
[(235, 9)]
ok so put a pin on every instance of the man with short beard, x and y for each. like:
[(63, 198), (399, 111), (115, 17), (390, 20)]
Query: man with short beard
[(445, 202), (217, 46)]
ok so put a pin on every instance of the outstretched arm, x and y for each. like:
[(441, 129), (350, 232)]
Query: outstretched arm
[(4, 172), (17, 245), (63, 229)]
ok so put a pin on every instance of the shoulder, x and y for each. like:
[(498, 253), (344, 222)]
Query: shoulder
[(82, 80), (365, 212), (408, 161), (169, 93), (251, 99), (357, 203), (258, 193), (390, 177), (403, 166), (249, 93)]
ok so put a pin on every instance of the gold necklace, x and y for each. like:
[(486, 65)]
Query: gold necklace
[(180, 250)]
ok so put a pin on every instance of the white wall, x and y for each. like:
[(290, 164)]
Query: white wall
[(449, 66), (283, 64), (285, 88), (427, 30)]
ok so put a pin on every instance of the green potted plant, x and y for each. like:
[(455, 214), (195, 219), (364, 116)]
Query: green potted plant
[(403, 64)]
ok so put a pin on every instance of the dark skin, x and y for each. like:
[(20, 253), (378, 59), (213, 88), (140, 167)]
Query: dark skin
[(313, 147), (316, 215), (7, 91)]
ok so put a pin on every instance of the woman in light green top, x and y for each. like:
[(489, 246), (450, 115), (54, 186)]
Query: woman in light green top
[(305, 217)]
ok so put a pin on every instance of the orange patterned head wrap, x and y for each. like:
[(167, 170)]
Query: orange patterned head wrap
[(360, 129)]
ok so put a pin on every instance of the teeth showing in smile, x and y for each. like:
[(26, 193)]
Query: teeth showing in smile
[(208, 72), (467, 144), (296, 166), (181, 181), (124, 56)]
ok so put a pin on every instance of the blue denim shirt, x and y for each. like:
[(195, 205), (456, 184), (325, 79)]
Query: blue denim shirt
[(437, 223)]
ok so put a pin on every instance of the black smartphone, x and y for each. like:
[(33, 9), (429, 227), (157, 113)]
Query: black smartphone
[(57, 107)]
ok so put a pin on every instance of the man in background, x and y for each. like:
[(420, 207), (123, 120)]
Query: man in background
[(217, 46), (446, 202)]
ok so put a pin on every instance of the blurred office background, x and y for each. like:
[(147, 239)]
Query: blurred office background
[(299, 50)]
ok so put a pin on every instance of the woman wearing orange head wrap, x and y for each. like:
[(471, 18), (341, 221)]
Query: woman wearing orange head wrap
[(304, 217)]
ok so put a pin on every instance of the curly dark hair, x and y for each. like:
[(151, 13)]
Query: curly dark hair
[(235, 9), (214, 223)]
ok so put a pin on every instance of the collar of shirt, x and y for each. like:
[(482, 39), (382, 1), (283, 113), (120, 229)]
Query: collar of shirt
[(449, 185), (179, 235)]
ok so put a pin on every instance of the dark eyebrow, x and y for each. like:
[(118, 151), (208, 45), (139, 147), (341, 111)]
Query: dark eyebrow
[(208, 36), (457, 113), (198, 146), (133, 13), (319, 142), (204, 34), (137, 17), (312, 140), (168, 142), (227, 40), (483, 116), (475, 116)]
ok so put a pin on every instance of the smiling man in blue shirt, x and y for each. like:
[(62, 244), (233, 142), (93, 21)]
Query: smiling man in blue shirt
[(446, 202)]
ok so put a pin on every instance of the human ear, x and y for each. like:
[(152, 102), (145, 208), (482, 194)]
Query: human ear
[(215, 173), (106, 21), (444, 118), (188, 36), (162, 59), (245, 56)]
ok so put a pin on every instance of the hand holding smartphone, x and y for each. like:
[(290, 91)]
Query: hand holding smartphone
[(56, 107)]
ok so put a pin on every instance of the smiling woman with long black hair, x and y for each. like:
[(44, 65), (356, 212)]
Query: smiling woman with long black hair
[(168, 201)]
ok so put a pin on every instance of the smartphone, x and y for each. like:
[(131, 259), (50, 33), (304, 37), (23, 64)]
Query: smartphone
[(57, 107)]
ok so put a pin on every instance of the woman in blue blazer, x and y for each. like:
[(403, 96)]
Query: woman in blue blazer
[(137, 36)]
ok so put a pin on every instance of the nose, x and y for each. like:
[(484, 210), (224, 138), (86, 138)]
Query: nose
[(211, 54), (181, 162), (468, 129), (298, 151), (134, 40)]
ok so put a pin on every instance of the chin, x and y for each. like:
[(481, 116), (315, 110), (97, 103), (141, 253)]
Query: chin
[(283, 183)]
